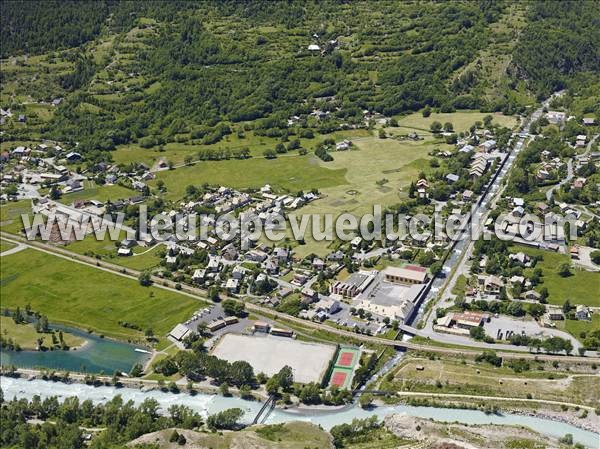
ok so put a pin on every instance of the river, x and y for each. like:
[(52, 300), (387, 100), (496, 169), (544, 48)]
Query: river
[(96, 356), (208, 404)]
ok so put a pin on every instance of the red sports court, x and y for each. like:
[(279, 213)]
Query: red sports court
[(339, 378), (345, 359)]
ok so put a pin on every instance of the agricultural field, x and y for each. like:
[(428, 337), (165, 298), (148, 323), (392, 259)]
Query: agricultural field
[(26, 336), (462, 120), (471, 378), (577, 287), (92, 191), (77, 295), (289, 172)]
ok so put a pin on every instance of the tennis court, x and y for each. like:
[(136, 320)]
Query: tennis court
[(347, 357), (343, 368), (341, 378)]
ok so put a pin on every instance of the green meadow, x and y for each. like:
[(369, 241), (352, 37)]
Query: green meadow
[(78, 295)]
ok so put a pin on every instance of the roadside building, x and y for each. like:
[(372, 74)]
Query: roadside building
[(179, 332), (261, 326), (355, 284), (410, 274), (468, 320)]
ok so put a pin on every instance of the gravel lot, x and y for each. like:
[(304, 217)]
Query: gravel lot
[(268, 354)]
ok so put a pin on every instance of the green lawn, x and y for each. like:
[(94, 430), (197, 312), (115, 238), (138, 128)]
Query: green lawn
[(581, 287), (462, 120), (289, 172), (78, 295), (107, 250), (5, 245), (90, 246), (10, 215), (26, 335), (92, 191), (149, 258), (576, 327)]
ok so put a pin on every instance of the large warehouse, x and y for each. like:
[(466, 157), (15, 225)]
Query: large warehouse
[(268, 354)]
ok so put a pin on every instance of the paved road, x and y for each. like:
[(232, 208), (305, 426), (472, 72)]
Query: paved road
[(464, 248), (516, 352), (16, 249)]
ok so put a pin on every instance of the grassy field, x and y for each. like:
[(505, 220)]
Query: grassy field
[(462, 120), (92, 247), (576, 327), (176, 152), (107, 250), (579, 288), (77, 295), (289, 172), (149, 258), (452, 376), (372, 160), (4, 245), (92, 191), (10, 215), (380, 438), (26, 335)]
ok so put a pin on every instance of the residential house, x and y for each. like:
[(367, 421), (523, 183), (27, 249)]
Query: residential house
[(532, 295), (232, 285), (318, 264), (582, 312), (451, 177), (73, 156), (589, 121), (309, 295), (555, 117), (555, 313)]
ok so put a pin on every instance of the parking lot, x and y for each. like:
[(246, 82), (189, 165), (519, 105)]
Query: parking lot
[(215, 312), (530, 328)]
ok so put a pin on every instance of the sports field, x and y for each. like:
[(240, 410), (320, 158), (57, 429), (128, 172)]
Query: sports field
[(81, 296), (268, 354), (343, 368), (347, 358), (341, 378)]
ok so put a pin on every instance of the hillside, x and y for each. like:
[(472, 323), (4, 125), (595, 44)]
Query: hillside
[(154, 72)]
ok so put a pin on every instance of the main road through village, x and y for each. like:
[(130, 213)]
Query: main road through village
[(514, 353), (458, 257)]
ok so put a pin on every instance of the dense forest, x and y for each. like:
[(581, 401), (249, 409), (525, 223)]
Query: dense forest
[(561, 40), (158, 72)]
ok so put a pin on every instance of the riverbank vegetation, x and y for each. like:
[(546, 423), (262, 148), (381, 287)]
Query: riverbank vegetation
[(74, 424), (25, 336), (489, 375)]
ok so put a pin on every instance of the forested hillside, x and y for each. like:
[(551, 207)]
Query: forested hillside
[(157, 72), (560, 40)]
